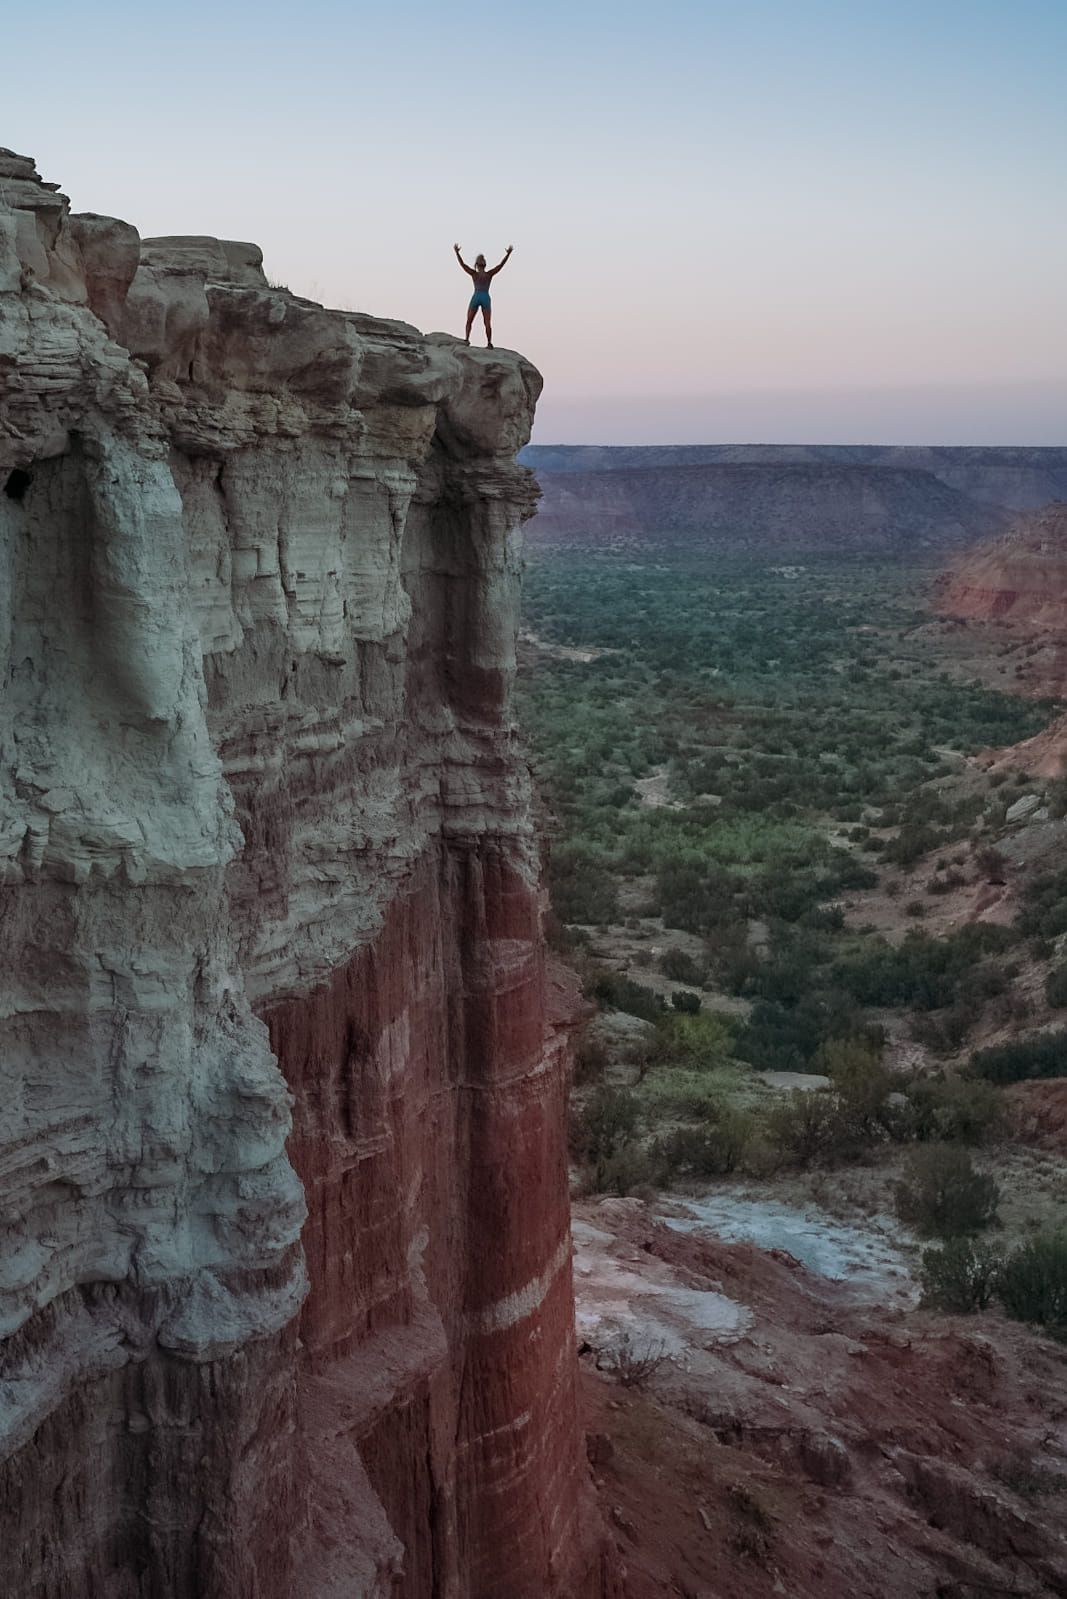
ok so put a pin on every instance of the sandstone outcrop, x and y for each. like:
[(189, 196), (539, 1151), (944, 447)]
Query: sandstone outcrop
[(285, 1282)]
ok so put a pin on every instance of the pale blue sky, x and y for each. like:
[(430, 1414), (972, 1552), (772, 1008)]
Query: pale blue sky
[(806, 221)]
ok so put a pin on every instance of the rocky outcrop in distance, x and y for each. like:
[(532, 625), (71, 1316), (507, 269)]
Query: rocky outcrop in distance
[(787, 498), (1012, 594), (1021, 577), (285, 1272)]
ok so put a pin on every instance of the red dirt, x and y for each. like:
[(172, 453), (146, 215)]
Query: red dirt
[(836, 1450)]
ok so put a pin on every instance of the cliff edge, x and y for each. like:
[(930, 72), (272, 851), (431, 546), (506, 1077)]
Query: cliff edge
[(285, 1281)]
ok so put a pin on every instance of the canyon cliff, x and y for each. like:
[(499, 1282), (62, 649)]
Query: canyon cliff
[(285, 1270)]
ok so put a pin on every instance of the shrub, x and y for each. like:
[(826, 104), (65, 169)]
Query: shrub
[(913, 840), (823, 919), (581, 887), (824, 1127), (714, 1150), (952, 1109), (681, 968), (959, 1276), (698, 1038), (861, 1082), (686, 1002), (615, 991), (944, 1195), (1033, 1283), (811, 1128), (630, 1363), (778, 1037), (923, 972), (608, 1120), (1042, 1056), (1056, 987), (627, 1170), (847, 872), (1044, 911), (696, 895)]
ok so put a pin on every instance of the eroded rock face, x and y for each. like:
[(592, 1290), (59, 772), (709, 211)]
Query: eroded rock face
[(285, 1291), (1013, 592), (1021, 577)]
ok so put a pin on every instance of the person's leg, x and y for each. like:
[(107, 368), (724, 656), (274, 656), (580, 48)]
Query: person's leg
[(488, 326), (470, 324)]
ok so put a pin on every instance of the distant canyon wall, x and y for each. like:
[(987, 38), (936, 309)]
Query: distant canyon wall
[(782, 498), (285, 1282)]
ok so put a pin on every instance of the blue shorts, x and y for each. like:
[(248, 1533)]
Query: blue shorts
[(480, 300)]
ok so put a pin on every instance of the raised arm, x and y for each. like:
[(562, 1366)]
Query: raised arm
[(503, 263), (469, 270)]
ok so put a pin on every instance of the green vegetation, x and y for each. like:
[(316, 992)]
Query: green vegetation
[(1031, 1283), (800, 730), (692, 1112), (676, 964), (768, 700), (801, 744), (1043, 1056), (604, 1138), (1044, 913), (960, 1276), (949, 1109), (616, 991), (943, 1195)]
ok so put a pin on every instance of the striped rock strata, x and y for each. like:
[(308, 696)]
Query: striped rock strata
[(285, 1295)]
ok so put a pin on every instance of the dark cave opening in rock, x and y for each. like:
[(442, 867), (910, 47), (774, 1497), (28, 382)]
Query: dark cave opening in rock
[(17, 484)]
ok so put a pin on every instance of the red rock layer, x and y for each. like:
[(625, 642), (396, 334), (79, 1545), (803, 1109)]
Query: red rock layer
[(1021, 577), (421, 1059)]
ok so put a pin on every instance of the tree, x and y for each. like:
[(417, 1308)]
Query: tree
[(944, 1195)]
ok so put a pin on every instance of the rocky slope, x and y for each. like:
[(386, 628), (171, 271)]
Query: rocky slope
[(285, 1281), (791, 498), (1021, 577), (828, 1440), (1010, 597)]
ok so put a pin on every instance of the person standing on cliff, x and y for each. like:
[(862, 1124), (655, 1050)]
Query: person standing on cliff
[(480, 300)]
